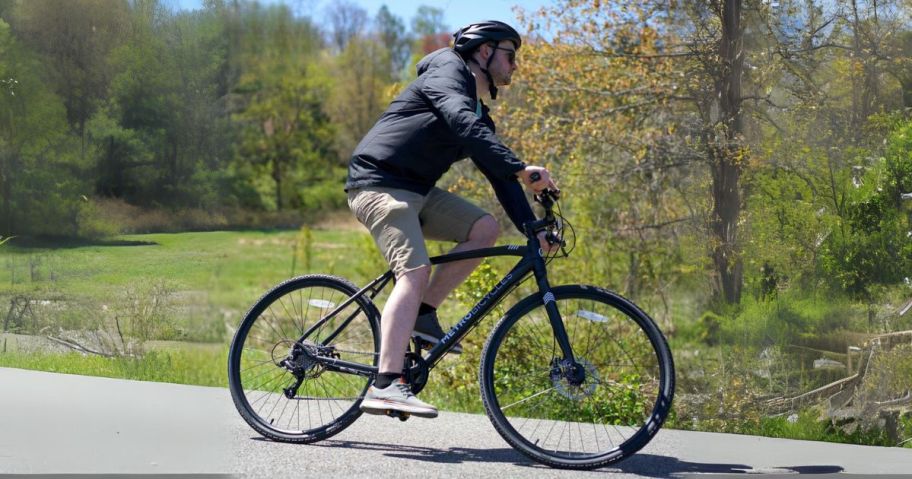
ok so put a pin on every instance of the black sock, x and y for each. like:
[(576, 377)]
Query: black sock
[(425, 309), (385, 379)]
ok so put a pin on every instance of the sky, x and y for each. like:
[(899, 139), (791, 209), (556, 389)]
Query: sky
[(457, 13)]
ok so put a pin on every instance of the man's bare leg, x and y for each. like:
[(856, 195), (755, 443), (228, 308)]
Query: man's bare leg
[(450, 275), (398, 318)]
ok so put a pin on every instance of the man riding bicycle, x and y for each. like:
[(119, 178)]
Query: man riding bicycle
[(437, 120)]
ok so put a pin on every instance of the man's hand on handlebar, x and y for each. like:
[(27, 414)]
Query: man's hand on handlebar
[(537, 179), (546, 246)]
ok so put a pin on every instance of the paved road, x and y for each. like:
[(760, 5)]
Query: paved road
[(54, 423)]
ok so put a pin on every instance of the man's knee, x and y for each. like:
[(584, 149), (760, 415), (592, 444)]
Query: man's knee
[(485, 231), (416, 276)]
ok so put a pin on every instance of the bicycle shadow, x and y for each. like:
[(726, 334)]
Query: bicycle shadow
[(648, 465), (651, 465)]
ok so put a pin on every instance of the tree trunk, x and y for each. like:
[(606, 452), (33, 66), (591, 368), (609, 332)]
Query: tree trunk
[(726, 254), (277, 177), (726, 158), (6, 210)]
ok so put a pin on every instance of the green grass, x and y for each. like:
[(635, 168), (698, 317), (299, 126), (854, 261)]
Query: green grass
[(233, 268), (210, 279), (199, 365), (213, 278)]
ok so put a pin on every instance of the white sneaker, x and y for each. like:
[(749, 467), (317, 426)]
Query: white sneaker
[(396, 397)]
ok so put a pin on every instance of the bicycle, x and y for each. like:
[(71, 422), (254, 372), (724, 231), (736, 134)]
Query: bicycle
[(573, 377)]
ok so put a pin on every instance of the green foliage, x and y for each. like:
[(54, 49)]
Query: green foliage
[(873, 246), (478, 284), (223, 107), (787, 319), (93, 224), (808, 426), (286, 134), (889, 374), (710, 325), (40, 173)]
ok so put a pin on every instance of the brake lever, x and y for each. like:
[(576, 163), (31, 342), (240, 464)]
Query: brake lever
[(553, 239), (554, 193)]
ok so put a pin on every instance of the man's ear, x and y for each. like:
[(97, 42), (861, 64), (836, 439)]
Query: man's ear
[(484, 51)]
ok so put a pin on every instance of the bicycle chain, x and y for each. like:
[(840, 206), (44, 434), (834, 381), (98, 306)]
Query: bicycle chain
[(362, 353)]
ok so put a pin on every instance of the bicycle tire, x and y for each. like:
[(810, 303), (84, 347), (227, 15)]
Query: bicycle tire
[(518, 373), (267, 335)]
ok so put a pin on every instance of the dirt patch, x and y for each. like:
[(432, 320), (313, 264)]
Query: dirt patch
[(22, 343), (265, 241), (330, 245)]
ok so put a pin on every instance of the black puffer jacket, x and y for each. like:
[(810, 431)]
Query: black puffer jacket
[(432, 125)]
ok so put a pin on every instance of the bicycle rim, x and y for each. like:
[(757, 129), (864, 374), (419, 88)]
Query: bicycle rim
[(614, 412), (265, 360)]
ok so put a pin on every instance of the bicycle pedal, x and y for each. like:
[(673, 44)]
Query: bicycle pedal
[(402, 416), (423, 343)]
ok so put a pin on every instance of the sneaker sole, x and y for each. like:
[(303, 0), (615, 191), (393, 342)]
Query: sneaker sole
[(433, 340), (380, 407)]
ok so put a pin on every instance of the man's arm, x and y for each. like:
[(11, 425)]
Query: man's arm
[(510, 194), (447, 92)]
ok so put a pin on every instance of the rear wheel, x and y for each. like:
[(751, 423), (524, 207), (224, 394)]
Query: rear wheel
[(277, 385), (598, 411)]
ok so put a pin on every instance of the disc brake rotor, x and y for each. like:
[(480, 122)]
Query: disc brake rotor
[(577, 392)]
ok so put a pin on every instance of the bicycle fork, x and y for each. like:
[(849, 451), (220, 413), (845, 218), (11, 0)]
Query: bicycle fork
[(567, 367)]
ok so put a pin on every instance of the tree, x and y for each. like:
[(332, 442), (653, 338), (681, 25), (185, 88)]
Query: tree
[(164, 135), (595, 105), (430, 32), (724, 142), (348, 21), (358, 93), (874, 247), (391, 33), (428, 21), (40, 178), (144, 104), (76, 38), (820, 135), (286, 135)]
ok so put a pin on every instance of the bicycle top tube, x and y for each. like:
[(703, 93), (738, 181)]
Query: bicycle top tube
[(507, 250)]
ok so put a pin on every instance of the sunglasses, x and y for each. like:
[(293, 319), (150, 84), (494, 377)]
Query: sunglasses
[(511, 54)]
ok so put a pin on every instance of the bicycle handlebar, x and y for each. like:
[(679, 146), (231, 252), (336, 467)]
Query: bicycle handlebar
[(547, 199)]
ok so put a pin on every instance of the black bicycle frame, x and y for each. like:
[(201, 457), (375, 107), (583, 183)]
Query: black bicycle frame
[(532, 260)]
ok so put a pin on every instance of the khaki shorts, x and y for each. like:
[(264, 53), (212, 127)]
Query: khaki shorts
[(400, 220)]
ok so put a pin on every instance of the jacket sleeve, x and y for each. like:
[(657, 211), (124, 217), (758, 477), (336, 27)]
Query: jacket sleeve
[(447, 90), (510, 194)]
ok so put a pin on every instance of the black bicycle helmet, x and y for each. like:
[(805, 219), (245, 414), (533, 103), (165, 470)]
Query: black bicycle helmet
[(470, 37)]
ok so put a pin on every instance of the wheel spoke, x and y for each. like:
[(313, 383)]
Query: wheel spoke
[(527, 399)]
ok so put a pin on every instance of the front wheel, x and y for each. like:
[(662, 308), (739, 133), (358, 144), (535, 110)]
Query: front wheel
[(598, 410)]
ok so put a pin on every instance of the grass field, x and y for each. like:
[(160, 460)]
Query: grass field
[(193, 287)]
